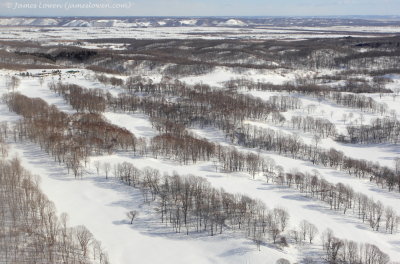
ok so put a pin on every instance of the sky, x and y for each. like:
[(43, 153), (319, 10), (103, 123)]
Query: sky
[(198, 7)]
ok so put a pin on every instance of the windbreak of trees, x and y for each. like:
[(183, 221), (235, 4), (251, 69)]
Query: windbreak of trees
[(291, 145), (3, 136), (355, 85), (314, 85), (380, 130), (318, 126), (362, 102), (15, 61), (358, 101), (346, 251), (182, 148), (343, 198), (81, 99), (189, 204), (31, 231), (109, 80), (202, 102), (68, 138), (367, 60)]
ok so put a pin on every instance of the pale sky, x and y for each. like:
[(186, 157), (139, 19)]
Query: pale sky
[(198, 7)]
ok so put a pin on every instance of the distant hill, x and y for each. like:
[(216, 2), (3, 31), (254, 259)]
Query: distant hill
[(140, 22)]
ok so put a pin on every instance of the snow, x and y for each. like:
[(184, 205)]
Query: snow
[(136, 123), (223, 74), (77, 23), (190, 22), (340, 116), (102, 204), (289, 164), (28, 22), (84, 29), (233, 22)]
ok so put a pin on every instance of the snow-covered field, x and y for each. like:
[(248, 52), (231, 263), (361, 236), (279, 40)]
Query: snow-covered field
[(79, 33), (101, 204)]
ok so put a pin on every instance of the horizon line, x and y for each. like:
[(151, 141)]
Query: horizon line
[(198, 16)]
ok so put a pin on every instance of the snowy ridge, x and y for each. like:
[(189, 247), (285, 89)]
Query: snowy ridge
[(191, 22), (28, 22)]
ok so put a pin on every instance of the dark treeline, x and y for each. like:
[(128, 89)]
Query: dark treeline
[(198, 56), (71, 53), (68, 138), (31, 232), (380, 130), (386, 59)]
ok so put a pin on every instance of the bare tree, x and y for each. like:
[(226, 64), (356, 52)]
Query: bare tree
[(97, 165), (41, 81), (282, 261), (84, 237), (106, 168), (132, 215), (12, 83), (312, 231)]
